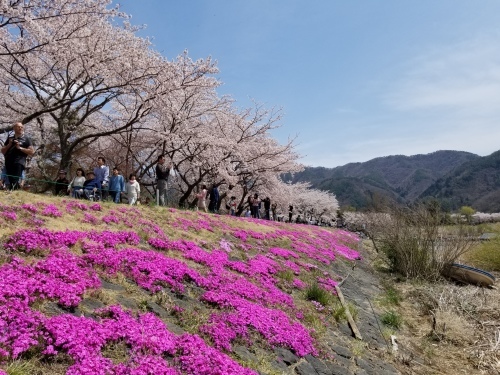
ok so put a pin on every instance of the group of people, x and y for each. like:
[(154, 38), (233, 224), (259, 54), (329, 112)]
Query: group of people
[(99, 184)]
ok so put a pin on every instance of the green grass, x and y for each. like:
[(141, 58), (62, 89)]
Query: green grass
[(391, 297), (21, 368), (392, 319), (286, 275), (315, 293), (485, 255)]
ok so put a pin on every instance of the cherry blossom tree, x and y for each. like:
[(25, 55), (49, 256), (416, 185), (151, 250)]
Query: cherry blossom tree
[(77, 86)]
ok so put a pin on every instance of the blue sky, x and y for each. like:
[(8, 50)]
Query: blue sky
[(356, 79)]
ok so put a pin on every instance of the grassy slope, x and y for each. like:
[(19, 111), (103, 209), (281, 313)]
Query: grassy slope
[(206, 231), (461, 341)]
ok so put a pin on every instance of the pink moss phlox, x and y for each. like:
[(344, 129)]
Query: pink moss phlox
[(51, 210), (299, 284), (292, 266), (148, 341), (111, 218), (20, 328), (347, 253), (148, 269), (285, 253), (241, 234), (29, 207), (274, 325), (194, 356), (27, 240), (225, 245), (9, 215), (71, 205), (89, 218), (263, 265), (327, 283), (112, 239), (96, 207)]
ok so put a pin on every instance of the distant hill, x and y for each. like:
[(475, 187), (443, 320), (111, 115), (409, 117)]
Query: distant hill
[(475, 183), (397, 178)]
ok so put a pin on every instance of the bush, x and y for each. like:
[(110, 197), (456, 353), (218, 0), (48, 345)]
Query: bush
[(415, 243)]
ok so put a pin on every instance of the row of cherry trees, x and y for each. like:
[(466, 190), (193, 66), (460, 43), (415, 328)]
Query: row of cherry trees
[(76, 72)]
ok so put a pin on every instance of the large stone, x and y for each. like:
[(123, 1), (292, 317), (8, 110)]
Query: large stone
[(286, 356), (158, 310), (338, 370), (305, 368), (126, 302), (91, 304), (318, 365), (342, 351), (111, 286), (244, 354)]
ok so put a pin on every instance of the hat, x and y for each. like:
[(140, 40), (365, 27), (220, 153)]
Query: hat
[(62, 171)]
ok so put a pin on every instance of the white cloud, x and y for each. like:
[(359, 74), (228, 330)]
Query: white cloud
[(463, 77)]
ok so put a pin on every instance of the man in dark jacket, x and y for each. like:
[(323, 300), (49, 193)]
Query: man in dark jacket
[(267, 208), (162, 173), (16, 149), (214, 199), (90, 186), (62, 183)]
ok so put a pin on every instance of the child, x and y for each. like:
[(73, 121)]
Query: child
[(132, 189), (202, 195), (116, 185), (232, 206)]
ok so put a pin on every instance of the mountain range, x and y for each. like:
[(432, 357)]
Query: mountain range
[(455, 178)]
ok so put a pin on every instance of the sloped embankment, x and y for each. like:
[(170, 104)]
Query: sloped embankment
[(88, 288)]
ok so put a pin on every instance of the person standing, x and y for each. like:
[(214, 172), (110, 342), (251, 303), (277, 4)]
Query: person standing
[(255, 206), (101, 173), (133, 190), (116, 185), (15, 151), (274, 206), (232, 206), (201, 196), (267, 208), (162, 172), (214, 199), (290, 213)]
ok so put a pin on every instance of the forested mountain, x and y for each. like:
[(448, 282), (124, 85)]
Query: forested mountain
[(406, 179), (475, 183)]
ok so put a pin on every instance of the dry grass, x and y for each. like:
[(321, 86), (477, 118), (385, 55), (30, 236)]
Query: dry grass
[(450, 329)]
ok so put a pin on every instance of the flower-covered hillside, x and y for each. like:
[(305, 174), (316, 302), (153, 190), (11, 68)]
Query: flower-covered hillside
[(89, 288)]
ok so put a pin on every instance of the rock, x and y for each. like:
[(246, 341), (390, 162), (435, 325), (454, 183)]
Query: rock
[(338, 370), (91, 304), (112, 286), (305, 368), (286, 356), (158, 310), (341, 351), (172, 327), (244, 354), (126, 302), (318, 365), (52, 309)]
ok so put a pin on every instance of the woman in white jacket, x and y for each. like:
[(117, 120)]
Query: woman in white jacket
[(133, 190)]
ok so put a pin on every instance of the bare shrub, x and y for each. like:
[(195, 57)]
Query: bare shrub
[(415, 243)]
